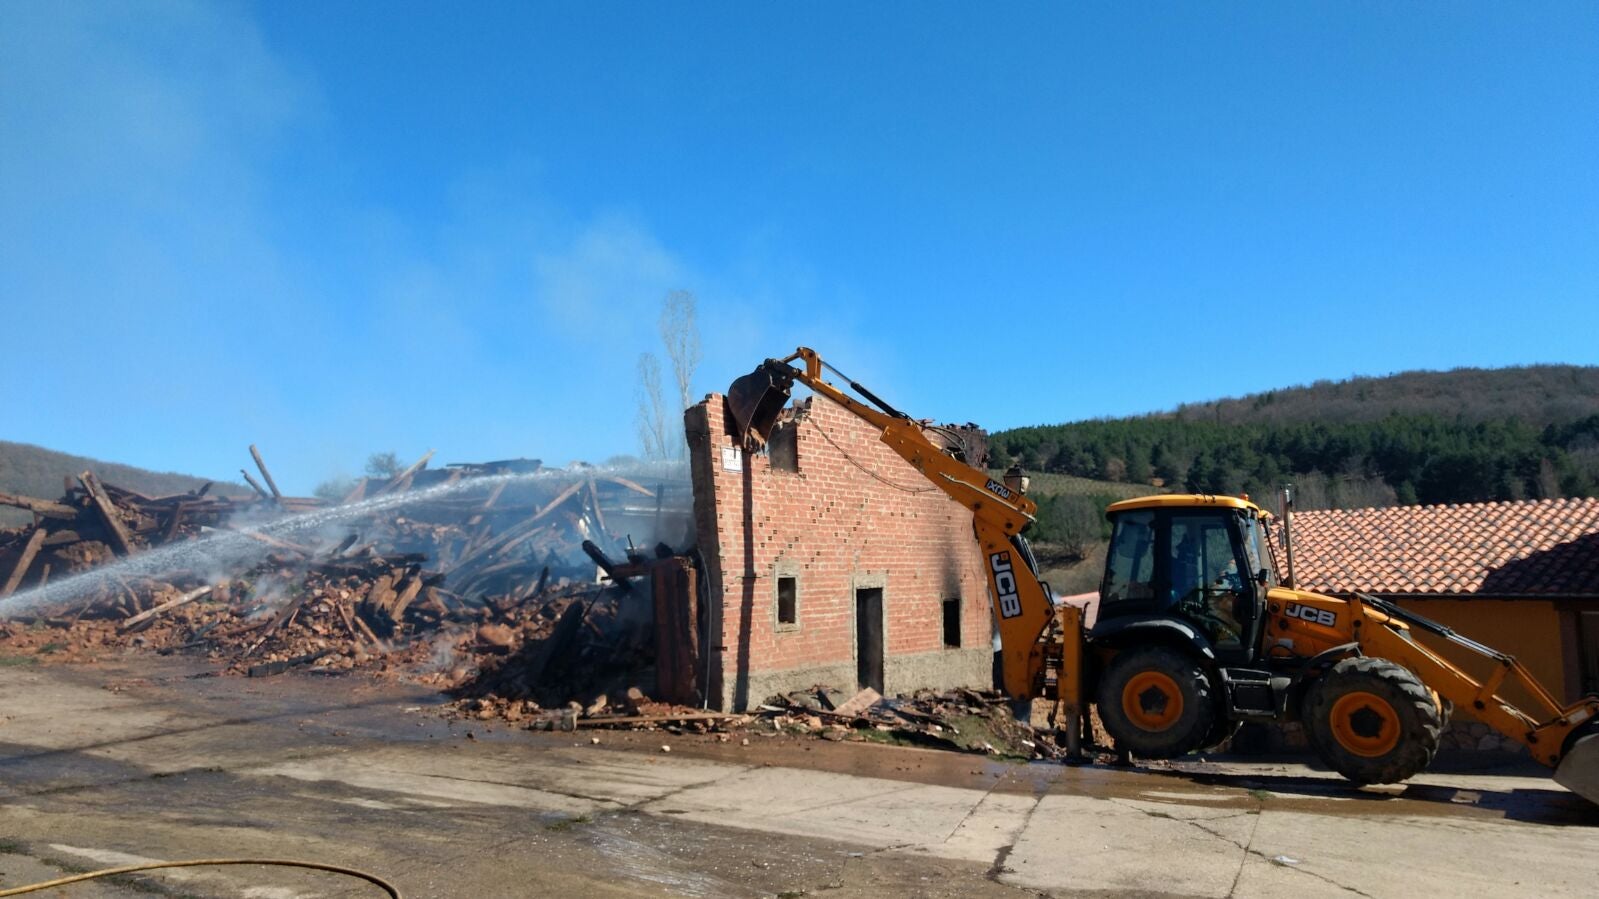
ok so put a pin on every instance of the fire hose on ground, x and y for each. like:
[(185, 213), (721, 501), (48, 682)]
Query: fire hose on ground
[(382, 884)]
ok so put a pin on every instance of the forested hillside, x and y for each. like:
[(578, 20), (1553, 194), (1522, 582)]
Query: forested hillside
[(35, 471), (1428, 437)]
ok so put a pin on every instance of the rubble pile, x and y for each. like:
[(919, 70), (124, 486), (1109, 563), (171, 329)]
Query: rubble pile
[(93, 523), (490, 569), (961, 719)]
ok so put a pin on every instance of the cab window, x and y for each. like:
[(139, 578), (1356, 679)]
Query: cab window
[(1130, 565), (1207, 583)]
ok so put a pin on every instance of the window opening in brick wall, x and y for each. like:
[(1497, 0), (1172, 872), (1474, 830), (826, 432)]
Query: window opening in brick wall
[(952, 623), (782, 448), (787, 600)]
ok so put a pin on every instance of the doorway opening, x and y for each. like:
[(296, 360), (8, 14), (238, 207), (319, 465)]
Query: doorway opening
[(869, 638)]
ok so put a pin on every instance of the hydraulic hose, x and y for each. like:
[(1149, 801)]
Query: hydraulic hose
[(382, 884)]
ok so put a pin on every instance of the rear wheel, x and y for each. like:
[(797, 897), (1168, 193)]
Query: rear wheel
[(1156, 702), (1372, 721)]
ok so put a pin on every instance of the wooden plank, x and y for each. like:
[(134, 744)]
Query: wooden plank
[(267, 475), (599, 515), (29, 550), (174, 521), (42, 507), (518, 531), (376, 641), (859, 703), (629, 485), (108, 513), (282, 618), (407, 592), (494, 497), (344, 615), (259, 490), (405, 476), (357, 493), (163, 608)]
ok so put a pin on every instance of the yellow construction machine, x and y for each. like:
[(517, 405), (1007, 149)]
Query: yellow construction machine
[(1196, 633)]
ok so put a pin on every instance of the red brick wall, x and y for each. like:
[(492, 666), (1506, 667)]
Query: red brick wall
[(835, 524)]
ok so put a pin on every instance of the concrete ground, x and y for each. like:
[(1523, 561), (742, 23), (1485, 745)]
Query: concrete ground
[(141, 759)]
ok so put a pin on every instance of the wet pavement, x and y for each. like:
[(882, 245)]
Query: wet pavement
[(140, 758)]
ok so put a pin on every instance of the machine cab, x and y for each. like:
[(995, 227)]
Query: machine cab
[(1198, 559)]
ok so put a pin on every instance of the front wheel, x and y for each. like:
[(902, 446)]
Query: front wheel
[(1156, 702), (1372, 721)]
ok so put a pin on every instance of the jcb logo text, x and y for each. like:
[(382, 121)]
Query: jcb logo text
[(1311, 614), (1010, 605)]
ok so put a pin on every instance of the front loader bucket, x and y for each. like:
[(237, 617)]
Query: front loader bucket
[(1579, 770), (755, 400)]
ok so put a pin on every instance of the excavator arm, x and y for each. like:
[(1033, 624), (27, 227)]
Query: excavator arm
[(1021, 602), (1563, 737)]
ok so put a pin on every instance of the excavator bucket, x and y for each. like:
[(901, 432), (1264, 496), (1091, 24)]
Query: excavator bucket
[(1579, 770), (755, 400)]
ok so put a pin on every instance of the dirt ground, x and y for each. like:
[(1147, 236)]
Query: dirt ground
[(149, 758)]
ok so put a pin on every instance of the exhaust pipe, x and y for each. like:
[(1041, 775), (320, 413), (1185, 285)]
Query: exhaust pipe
[(1285, 496)]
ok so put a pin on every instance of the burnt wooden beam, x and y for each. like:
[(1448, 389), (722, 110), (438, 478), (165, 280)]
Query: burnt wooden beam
[(357, 493), (554, 646), (619, 574), (599, 516), (174, 521), (265, 475), (29, 550), (108, 513), (259, 490), (404, 477), (494, 497), (624, 482), (163, 608), (42, 507)]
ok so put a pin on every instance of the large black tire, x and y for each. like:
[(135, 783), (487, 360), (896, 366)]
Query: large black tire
[(1156, 702), (1372, 721)]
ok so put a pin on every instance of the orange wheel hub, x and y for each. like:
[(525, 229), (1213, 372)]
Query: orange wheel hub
[(1365, 724), (1152, 701)]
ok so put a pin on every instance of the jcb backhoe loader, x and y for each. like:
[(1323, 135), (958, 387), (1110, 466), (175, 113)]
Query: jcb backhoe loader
[(1196, 634)]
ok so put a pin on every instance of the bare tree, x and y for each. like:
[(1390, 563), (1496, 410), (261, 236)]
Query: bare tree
[(681, 335), (651, 408)]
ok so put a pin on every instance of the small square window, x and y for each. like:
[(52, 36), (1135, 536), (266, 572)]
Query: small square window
[(787, 600), (952, 623)]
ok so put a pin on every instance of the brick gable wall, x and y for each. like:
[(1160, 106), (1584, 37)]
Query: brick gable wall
[(836, 526)]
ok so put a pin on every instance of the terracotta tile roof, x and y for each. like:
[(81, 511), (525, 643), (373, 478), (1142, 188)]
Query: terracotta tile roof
[(1531, 548)]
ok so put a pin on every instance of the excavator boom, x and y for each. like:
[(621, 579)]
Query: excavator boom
[(1045, 653), (1022, 605)]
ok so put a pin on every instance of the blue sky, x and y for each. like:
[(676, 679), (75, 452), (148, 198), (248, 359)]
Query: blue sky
[(333, 228)]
